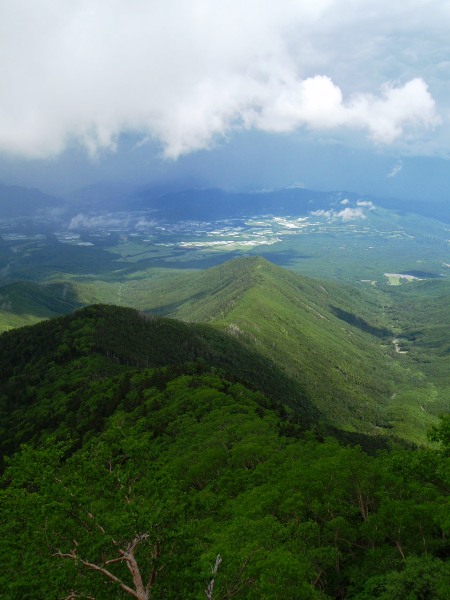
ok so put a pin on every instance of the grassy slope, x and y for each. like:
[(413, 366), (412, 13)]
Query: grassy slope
[(420, 312), (292, 320), (330, 340), (336, 340)]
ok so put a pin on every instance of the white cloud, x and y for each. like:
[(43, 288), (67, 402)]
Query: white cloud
[(144, 223), (328, 214), (318, 103), (395, 169), (345, 215), (350, 214), (185, 72), (366, 204)]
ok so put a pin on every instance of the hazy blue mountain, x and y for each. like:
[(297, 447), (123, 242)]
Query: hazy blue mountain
[(17, 201), (432, 210), (182, 200), (213, 204), (186, 199)]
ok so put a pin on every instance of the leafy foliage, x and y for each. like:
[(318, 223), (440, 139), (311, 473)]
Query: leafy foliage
[(149, 457), (69, 374), (197, 468)]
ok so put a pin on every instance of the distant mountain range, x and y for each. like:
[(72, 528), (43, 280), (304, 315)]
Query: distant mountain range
[(172, 202), (17, 201)]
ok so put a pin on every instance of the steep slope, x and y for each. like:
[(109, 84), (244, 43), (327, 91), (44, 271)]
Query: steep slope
[(56, 375), (26, 302), (320, 334)]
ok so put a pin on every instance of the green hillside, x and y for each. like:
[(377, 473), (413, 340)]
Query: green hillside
[(421, 316), (335, 340), (26, 302), (146, 466), (333, 345), (55, 374)]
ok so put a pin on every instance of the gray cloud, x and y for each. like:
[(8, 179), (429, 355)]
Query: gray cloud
[(187, 72)]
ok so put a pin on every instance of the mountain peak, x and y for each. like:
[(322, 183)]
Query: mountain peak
[(320, 334)]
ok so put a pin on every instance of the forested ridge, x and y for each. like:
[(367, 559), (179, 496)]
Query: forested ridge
[(62, 374), (369, 360), (142, 454)]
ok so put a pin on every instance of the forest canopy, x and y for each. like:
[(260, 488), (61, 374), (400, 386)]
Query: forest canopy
[(184, 481)]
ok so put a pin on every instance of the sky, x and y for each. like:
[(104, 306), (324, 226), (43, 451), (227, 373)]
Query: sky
[(240, 94)]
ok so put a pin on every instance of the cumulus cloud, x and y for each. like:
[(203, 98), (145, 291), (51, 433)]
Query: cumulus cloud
[(327, 214), (366, 203), (350, 214), (318, 103), (345, 215), (185, 72)]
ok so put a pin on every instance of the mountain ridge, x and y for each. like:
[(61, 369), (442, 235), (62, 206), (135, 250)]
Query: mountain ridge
[(292, 320), (331, 343), (52, 369)]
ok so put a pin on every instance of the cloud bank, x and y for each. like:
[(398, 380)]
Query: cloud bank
[(348, 213), (187, 72)]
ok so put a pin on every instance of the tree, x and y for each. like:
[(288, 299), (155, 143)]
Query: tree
[(140, 591)]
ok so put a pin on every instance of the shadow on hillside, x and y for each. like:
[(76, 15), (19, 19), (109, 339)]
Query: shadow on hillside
[(352, 319), (39, 300), (145, 341)]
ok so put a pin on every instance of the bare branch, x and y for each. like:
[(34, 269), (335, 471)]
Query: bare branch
[(317, 579), (210, 589), (400, 549), (65, 555), (128, 556), (110, 576), (140, 592), (73, 556), (91, 516), (114, 560)]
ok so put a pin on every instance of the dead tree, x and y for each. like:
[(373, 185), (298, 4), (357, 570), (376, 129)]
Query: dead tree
[(140, 590), (239, 581), (210, 589)]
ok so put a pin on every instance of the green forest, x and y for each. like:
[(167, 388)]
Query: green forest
[(145, 457)]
